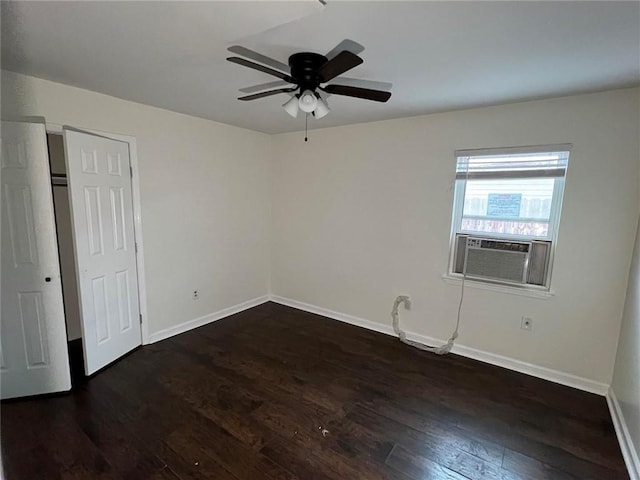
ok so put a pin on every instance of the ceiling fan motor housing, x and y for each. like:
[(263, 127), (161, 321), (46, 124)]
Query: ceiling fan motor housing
[(304, 69)]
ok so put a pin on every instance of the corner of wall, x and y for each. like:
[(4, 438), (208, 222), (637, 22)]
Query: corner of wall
[(629, 451), (272, 160), (624, 302)]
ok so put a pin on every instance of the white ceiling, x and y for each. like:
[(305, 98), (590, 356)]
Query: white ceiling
[(438, 55)]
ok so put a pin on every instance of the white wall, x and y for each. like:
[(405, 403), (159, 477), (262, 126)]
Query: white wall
[(205, 197), (362, 213), (626, 375)]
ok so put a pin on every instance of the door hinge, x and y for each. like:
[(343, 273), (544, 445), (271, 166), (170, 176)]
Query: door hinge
[(140, 319), (130, 170), (135, 246)]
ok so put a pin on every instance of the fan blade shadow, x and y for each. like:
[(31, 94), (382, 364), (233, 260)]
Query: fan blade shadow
[(264, 86), (261, 68), (346, 44), (258, 57), (357, 82), (255, 96)]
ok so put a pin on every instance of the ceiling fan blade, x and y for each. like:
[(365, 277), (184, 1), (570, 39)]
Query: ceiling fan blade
[(263, 86), (346, 44), (258, 57), (255, 96), (339, 64), (261, 68), (357, 82), (366, 93)]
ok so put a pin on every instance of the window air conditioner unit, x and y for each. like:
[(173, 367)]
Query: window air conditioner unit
[(505, 261)]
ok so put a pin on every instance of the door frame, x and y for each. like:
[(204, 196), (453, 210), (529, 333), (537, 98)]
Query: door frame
[(56, 129)]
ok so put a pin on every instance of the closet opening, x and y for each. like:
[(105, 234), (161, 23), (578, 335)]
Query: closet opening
[(64, 232)]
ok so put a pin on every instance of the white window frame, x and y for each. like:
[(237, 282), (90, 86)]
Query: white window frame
[(554, 218)]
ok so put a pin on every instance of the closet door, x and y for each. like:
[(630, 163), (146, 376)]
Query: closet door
[(99, 179), (33, 341)]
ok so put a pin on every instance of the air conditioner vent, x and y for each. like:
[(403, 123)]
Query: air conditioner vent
[(502, 260), (498, 264)]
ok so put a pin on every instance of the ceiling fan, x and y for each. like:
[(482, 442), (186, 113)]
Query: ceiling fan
[(308, 73)]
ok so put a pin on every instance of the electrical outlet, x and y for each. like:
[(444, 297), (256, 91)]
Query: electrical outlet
[(526, 323), (196, 294)]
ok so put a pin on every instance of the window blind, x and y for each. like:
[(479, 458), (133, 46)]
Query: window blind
[(525, 162)]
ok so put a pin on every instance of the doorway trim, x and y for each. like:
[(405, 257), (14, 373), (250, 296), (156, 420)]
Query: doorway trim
[(56, 129)]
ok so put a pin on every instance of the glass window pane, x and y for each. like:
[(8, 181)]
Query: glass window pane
[(512, 206)]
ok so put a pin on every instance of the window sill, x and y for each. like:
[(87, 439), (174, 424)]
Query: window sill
[(495, 287)]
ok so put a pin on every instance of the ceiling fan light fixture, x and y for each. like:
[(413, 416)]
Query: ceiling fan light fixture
[(308, 101), (322, 109), (291, 106)]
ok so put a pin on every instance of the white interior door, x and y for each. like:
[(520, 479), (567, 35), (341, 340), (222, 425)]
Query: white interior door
[(99, 180), (33, 344)]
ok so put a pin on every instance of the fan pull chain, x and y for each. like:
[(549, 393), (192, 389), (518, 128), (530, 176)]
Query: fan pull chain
[(306, 120)]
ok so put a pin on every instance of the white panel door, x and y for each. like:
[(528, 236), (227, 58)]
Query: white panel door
[(99, 180), (33, 341)]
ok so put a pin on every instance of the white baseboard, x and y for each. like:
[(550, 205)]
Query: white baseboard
[(487, 357), (211, 317), (629, 452)]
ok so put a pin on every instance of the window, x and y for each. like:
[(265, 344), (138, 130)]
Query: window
[(506, 213)]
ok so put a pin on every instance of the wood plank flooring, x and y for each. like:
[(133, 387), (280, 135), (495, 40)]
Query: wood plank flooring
[(278, 394)]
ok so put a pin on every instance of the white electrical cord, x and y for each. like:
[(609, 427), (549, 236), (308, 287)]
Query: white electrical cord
[(442, 349)]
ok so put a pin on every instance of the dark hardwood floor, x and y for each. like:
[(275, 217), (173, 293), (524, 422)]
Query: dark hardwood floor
[(275, 393)]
